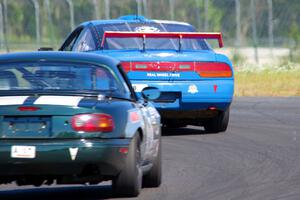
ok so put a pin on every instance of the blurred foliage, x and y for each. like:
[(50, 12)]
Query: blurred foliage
[(268, 82), (237, 59), (221, 17)]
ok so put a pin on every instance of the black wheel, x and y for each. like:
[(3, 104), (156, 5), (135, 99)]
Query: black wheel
[(129, 182), (218, 123), (153, 178)]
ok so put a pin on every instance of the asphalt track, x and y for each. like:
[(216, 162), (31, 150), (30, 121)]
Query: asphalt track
[(257, 158)]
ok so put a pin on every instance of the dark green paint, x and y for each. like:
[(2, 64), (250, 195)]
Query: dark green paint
[(55, 153)]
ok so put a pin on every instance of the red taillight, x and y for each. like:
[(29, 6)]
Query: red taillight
[(158, 66), (213, 69), (204, 69), (124, 150), (93, 123), (28, 108), (212, 108)]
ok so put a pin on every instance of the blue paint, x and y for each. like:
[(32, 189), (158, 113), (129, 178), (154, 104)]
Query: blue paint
[(191, 91), (30, 101), (88, 103)]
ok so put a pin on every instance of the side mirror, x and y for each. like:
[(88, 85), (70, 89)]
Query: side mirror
[(150, 93), (45, 49)]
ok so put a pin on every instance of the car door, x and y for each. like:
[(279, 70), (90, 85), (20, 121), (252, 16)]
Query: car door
[(152, 128), (151, 119)]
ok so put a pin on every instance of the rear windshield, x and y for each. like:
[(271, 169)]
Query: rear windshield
[(61, 77), (151, 43)]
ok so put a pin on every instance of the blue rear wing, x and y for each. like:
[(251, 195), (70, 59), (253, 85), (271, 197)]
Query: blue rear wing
[(171, 35)]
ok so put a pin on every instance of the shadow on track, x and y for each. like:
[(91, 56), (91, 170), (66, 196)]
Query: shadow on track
[(57, 193), (190, 130)]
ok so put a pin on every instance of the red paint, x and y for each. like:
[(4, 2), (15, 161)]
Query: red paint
[(134, 117), (160, 66), (123, 150), (183, 35), (215, 88), (28, 108), (126, 66), (204, 69)]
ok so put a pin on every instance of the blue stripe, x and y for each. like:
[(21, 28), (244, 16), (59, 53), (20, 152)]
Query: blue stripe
[(29, 101), (87, 102)]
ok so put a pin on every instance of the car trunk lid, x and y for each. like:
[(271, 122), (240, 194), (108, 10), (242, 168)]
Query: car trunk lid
[(182, 59), (41, 117)]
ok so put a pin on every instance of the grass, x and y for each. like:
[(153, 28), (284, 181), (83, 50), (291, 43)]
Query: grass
[(280, 81)]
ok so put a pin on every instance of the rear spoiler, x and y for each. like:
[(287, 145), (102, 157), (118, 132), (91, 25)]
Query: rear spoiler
[(179, 35)]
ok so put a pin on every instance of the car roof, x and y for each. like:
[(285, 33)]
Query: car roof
[(59, 56), (132, 19)]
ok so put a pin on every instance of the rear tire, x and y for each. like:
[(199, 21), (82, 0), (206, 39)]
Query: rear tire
[(218, 123), (129, 182), (153, 178)]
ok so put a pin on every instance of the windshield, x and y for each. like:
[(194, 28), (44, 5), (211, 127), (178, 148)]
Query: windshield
[(151, 43), (61, 77)]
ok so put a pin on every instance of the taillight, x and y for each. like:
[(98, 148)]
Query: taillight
[(204, 69), (28, 108), (93, 123), (158, 66), (213, 69)]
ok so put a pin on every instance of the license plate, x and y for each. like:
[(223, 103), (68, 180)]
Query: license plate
[(23, 151)]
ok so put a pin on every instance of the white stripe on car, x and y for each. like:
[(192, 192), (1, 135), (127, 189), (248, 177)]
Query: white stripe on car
[(12, 100), (58, 100)]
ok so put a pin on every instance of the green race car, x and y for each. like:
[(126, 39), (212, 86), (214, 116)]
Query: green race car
[(74, 118)]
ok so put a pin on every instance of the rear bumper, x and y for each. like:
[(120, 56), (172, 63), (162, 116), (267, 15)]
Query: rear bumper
[(54, 157), (191, 95)]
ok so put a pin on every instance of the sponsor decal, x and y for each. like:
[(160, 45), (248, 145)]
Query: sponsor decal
[(73, 153), (146, 29), (164, 54), (165, 75), (193, 89)]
